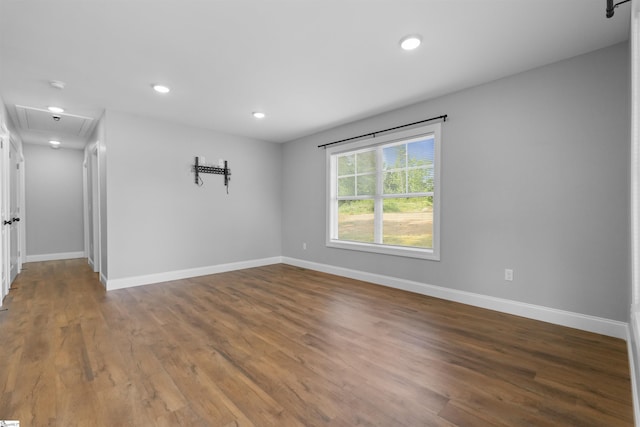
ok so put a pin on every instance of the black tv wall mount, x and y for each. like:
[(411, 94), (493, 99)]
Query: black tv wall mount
[(217, 170)]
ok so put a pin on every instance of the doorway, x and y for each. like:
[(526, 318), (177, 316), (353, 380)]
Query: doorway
[(92, 207), (5, 221), (15, 262)]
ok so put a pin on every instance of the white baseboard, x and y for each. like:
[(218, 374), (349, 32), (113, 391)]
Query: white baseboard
[(55, 257), (127, 282), (93, 265), (584, 322)]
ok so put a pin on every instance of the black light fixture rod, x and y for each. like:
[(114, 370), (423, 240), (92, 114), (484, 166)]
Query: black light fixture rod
[(611, 7), (443, 117)]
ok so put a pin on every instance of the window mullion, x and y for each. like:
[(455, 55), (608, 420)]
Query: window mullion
[(333, 196), (406, 168), (377, 208), (355, 175)]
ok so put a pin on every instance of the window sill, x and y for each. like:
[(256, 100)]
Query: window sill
[(428, 254)]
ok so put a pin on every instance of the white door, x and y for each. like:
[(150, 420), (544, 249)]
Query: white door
[(89, 196), (14, 213), (5, 218), (95, 209)]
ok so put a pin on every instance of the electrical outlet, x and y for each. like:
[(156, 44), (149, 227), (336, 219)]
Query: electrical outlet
[(304, 246), (508, 275)]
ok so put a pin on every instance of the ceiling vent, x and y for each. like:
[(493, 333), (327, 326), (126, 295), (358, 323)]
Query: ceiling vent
[(39, 120)]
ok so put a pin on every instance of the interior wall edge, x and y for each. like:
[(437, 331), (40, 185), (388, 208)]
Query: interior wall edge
[(633, 349)]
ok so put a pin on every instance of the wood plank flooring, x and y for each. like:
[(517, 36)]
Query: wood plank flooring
[(284, 346)]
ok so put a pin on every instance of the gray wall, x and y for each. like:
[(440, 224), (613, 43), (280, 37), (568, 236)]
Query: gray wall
[(535, 177), (160, 221), (53, 197)]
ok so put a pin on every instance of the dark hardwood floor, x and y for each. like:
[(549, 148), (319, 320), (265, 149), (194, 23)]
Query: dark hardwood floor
[(284, 346)]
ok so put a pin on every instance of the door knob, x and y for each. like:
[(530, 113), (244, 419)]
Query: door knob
[(8, 222)]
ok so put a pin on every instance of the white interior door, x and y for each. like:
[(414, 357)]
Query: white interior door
[(14, 213), (5, 219), (86, 207), (90, 195), (95, 210)]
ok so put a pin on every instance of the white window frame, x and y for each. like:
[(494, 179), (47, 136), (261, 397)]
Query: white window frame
[(332, 199)]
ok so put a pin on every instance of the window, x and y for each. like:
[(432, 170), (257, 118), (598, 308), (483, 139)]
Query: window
[(384, 194)]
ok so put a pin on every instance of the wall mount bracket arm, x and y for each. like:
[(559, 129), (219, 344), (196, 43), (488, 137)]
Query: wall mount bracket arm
[(216, 170)]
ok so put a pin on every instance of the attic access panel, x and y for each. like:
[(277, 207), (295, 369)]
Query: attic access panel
[(36, 119)]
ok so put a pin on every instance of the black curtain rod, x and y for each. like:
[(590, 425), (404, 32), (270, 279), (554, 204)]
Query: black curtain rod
[(443, 117)]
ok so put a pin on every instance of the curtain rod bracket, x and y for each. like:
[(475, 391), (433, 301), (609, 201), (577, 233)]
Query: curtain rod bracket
[(611, 7)]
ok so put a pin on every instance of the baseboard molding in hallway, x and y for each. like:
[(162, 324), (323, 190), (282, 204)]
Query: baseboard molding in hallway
[(55, 256)]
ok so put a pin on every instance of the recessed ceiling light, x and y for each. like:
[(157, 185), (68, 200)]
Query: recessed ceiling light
[(54, 143), (161, 88), (410, 42), (56, 109), (258, 115)]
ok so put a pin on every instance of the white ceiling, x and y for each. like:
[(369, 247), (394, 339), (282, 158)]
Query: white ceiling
[(308, 64)]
